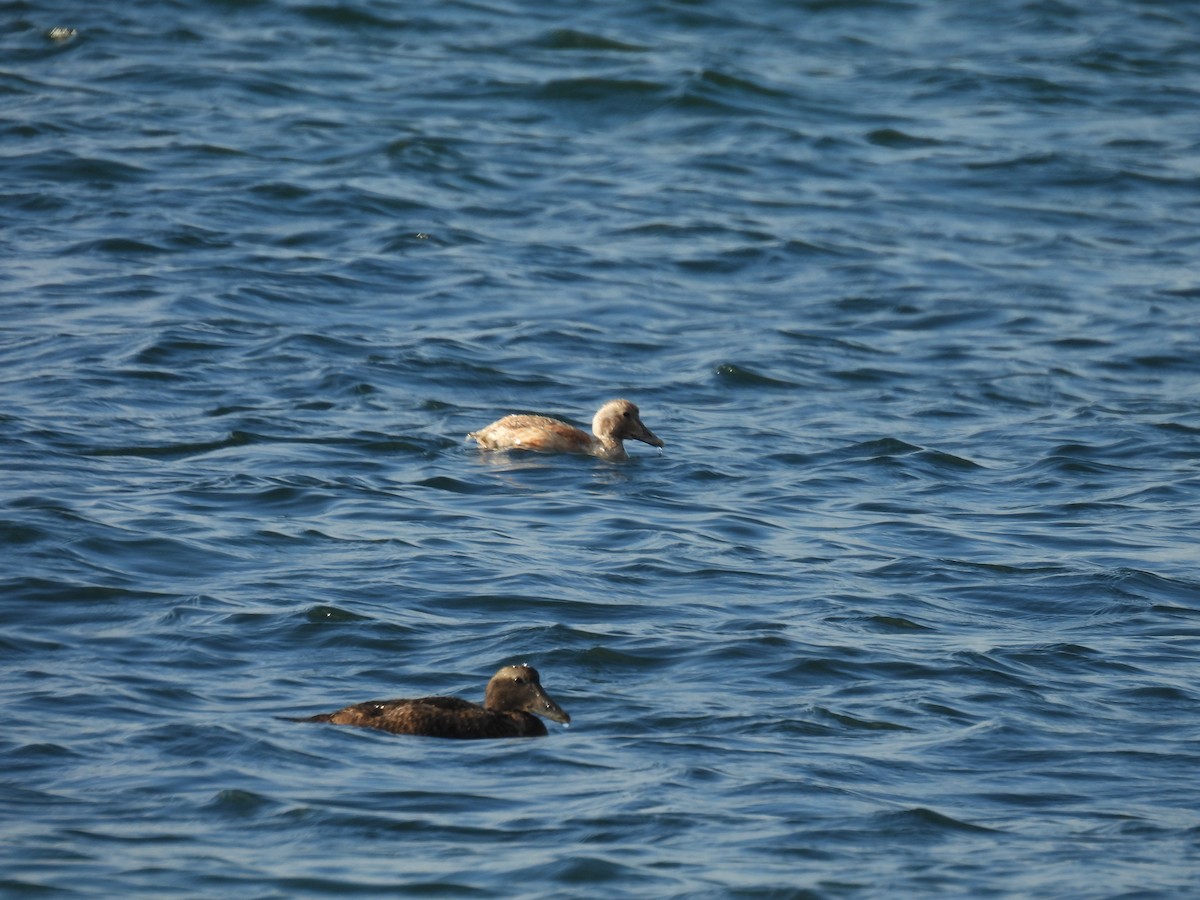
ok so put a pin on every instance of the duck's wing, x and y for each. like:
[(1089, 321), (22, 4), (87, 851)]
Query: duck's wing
[(540, 433), (372, 713)]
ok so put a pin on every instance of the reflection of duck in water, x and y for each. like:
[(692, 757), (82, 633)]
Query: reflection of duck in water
[(513, 693), (615, 422)]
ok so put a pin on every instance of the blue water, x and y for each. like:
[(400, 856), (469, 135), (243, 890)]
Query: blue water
[(909, 605)]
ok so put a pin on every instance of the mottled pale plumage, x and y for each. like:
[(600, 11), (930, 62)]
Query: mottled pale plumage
[(615, 422), (511, 707)]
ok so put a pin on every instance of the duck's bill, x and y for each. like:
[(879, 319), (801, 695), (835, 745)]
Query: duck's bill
[(548, 709), (648, 437)]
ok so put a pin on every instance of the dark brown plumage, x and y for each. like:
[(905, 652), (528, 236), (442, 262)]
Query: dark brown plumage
[(513, 694)]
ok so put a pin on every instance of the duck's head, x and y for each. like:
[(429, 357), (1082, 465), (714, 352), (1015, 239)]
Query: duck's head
[(519, 689), (619, 420)]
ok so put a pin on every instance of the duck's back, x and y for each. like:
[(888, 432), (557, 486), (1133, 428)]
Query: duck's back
[(445, 717), (522, 432)]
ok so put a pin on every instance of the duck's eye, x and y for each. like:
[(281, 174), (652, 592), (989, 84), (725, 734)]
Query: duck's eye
[(519, 680), (625, 415)]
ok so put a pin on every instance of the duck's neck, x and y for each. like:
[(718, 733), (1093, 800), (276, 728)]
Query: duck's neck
[(608, 448)]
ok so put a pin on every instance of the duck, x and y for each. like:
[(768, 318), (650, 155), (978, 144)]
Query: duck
[(615, 422), (511, 705)]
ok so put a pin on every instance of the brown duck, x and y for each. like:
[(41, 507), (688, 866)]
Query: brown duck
[(511, 707), (614, 423)]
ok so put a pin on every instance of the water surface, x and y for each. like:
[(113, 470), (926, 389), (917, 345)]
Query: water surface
[(907, 606)]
